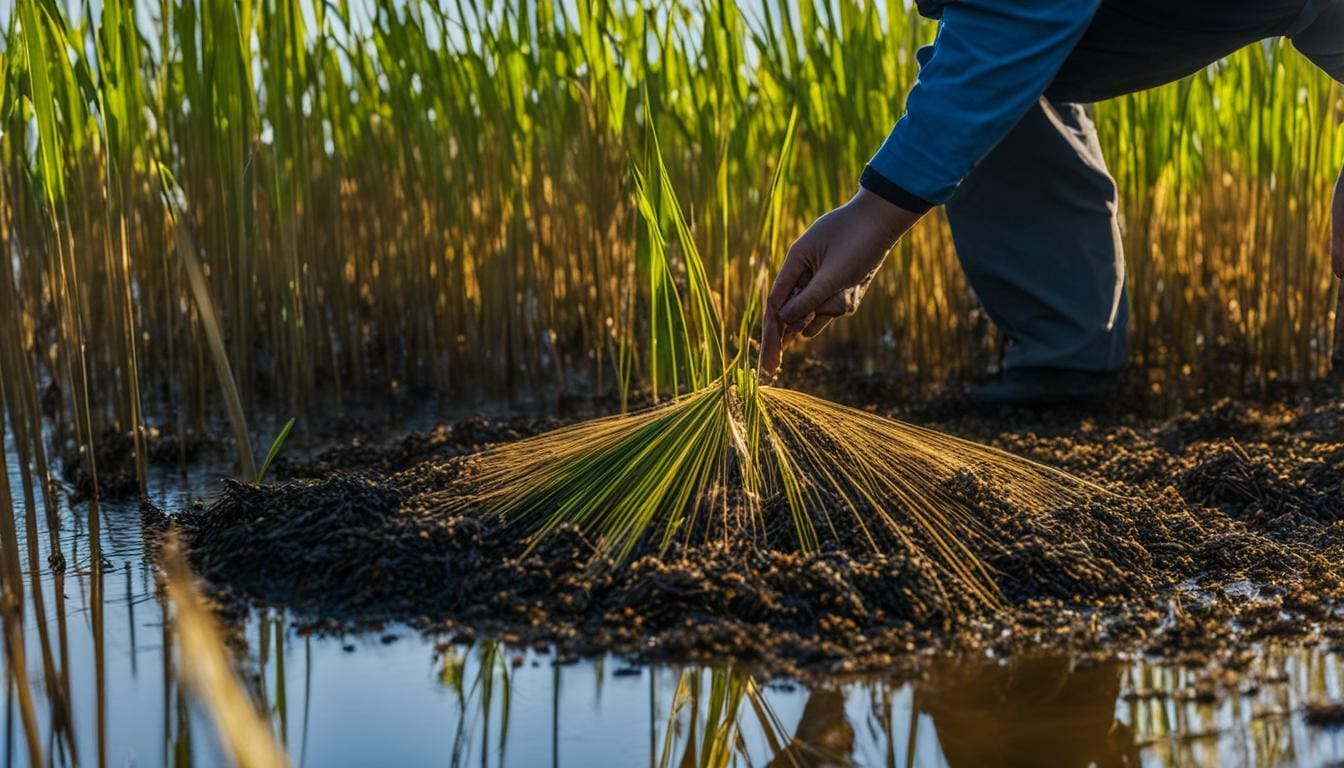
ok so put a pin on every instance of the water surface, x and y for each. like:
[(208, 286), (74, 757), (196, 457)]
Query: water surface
[(398, 698)]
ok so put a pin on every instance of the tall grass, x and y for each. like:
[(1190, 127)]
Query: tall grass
[(387, 196)]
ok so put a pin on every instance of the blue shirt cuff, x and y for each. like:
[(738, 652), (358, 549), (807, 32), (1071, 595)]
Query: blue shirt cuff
[(892, 192)]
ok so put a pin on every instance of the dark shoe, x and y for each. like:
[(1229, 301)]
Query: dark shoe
[(1044, 386)]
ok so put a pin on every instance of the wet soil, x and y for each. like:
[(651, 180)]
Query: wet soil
[(1224, 526), (114, 461)]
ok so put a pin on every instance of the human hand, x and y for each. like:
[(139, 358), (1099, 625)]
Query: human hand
[(828, 270)]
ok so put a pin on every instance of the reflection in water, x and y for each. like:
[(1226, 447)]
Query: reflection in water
[(823, 737), (1039, 710), (705, 720), (87, 630)]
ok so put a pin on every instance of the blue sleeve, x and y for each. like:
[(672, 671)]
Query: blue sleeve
[(991, 62)]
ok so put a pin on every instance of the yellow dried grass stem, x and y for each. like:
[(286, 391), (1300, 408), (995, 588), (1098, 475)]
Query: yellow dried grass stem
[(205, 666)]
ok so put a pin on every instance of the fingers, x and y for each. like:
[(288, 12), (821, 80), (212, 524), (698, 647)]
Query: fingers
[(772, 345), (782, 335), (806, 302), (776, 334), (790, 274), (817, 325), (839, 305)]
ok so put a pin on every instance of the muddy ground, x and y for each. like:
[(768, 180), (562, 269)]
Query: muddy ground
[(1224, 527)]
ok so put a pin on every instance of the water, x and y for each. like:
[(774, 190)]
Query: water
[(397, 698)]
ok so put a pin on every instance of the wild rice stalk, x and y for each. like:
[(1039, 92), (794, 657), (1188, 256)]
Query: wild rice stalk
[(11, 607)]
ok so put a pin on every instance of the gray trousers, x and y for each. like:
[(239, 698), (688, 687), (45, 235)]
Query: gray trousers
[(1035, 223), (1036, 232)]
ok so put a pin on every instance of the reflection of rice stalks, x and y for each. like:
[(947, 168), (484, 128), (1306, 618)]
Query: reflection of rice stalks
[(706, 725), (11, 611), (724, 462), (492, 683), (204, 665)]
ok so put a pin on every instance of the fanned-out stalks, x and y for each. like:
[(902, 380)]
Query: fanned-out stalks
[(727, 450), (621, 477), (889, 474)]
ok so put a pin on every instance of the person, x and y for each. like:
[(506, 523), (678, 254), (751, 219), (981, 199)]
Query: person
[(996, 130)]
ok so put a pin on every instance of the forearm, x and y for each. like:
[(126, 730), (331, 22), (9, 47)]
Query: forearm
[(991, 62)]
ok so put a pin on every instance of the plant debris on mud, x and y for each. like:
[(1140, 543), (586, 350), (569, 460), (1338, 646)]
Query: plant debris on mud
[(1224, 526)]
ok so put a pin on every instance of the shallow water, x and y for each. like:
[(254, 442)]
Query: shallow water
[(397, 698)]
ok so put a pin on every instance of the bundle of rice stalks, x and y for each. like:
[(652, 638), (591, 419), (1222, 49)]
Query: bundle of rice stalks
[(724, 464)]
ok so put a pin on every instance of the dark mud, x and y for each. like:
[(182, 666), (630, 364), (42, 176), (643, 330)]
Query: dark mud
[(1225, 527), (114, 461)]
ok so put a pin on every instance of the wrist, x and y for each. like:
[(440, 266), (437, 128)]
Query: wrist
[(892, 192), (892, 220)]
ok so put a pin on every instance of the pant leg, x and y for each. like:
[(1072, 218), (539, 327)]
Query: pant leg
[(1036, 233)]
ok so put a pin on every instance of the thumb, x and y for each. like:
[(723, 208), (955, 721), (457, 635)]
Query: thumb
[(771, 346)]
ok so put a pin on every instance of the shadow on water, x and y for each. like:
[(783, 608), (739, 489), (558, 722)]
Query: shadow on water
[(93, 680)]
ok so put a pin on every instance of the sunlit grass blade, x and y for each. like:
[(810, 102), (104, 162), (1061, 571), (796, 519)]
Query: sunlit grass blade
[(276, 446), (205, 308), (205, 666)]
